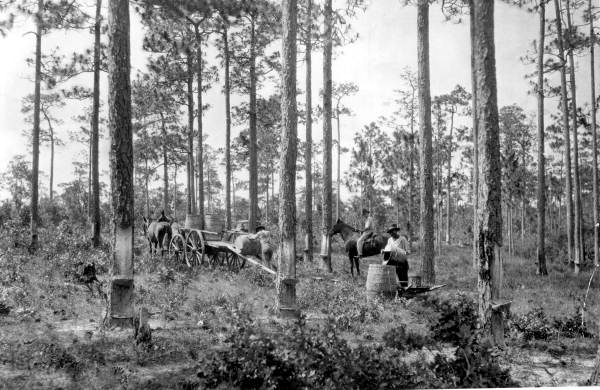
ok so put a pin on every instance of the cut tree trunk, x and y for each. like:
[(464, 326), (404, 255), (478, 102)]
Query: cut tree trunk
[(165, 203), (489, 221), (200, 129), (308, 205), (253, 179), (566, 129), (95, 170), (578, 239), (541, 182), (594, 135), (120, 310), (286, 286), (36, 129), (425, 153), (327, 108)]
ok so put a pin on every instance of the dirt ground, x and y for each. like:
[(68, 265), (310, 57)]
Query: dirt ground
[(52, 335)]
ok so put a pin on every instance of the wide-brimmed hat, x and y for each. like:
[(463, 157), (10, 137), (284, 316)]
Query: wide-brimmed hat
[(392, 228), (260, 227), (365, 211)]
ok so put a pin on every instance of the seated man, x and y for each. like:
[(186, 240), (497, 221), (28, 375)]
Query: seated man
[(396, 252), (366, 233)]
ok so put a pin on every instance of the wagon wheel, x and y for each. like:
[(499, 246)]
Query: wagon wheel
[(177, 248), (234, 261), (213, 259), (195, 249)]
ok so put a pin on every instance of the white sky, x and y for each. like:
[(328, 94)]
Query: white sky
[(386, 45)]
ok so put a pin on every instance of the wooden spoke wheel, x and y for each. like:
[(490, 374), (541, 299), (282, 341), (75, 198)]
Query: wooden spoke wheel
[(194, 249), (214, 259), (234, 262), (177, 248)]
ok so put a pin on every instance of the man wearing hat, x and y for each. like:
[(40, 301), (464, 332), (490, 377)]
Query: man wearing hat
[(395, 252), (366, 233)]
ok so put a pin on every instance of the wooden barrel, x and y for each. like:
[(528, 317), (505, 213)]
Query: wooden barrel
[(214, 223), (193, 221), (381, 279)]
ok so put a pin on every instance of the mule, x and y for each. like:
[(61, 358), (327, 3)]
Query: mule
[(257, 245), (156, 233), (372, 246)]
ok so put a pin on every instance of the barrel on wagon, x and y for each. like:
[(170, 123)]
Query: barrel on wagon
[(214, 223)]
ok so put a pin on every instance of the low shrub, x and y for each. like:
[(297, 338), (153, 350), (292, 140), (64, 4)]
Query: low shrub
[(573, 326), (534, 325), (404, 340), (457, 317)]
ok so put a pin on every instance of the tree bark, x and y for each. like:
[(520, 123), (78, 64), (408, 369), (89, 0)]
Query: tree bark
[(95, 171), (475, 135), (327, 108), (253, 179), (120, 310), (425, 153), (308, 202), (227, 130), (200, 133), (165, 200), (541, 182), (489, 221), (191, 201), (578, 241), (146, 192), (594, 135), (286, 281), (411, 169), (36, 130), (337, 190), (449, 181)]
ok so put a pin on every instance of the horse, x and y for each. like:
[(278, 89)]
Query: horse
[(257, 245), (156, 233), (350, 235)]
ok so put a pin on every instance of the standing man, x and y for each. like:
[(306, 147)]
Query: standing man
[(396, 252), (366, 233)]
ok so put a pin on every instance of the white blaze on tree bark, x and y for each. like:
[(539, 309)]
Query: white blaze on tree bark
[(286, 286), (120, 310)]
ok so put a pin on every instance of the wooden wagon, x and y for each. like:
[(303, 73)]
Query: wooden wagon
[(198, 247)]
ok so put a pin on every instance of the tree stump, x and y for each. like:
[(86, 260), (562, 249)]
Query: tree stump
[(142, 332)]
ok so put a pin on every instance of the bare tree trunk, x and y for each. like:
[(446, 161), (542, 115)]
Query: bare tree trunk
[(425, 155), (120, 310), (95, 132), (146, 193), (489, 221), (191, 201), (286, 280), (253, 185), (337, 200), (449, 182), (165, 200), (200, 133), (308, 206), (411, 172), (541, 182), (475, 136), (327, 108), (36, 130), (51, 162), (227, 131), (594, 135), (565, 114), (175, 192), (578, 241)]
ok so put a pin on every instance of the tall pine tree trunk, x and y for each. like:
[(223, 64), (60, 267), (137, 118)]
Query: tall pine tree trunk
[(308, 205), (253, 185), (449, 182), (337, 188), (425, 153), (36, 130), (286, 281), (411, 170), (541, 184), (489, 221), (191, 199), (327, 108), (594, 135), (200, 134), (120, 310), (475, 135), (51, 192), (578, 239), (163, 133), (228, 221), (95, 170), (566, 128), (146, 192)]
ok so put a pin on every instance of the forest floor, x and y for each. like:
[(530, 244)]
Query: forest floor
[(50, 333)]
